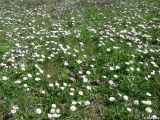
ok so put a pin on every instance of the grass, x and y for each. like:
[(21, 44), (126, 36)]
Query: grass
[(112, 48)]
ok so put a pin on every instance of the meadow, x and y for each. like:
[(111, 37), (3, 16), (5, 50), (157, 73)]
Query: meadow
[(79, 60)]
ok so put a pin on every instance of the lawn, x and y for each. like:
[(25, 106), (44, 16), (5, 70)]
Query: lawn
[(83, 60)]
